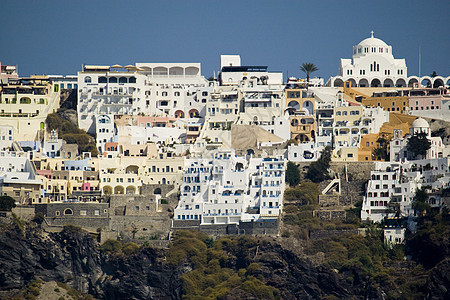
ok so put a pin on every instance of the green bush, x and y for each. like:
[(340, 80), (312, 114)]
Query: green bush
[(130, 248), (111, 246), (7, 203)]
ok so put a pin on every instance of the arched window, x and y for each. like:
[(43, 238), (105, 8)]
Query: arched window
[(68, 212), (102, 79), (87, 79), (113, 80), (132, 80), (123, 80)]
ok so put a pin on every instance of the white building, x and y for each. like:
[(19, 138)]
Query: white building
[(398, 145), (6, 136), (52, 147), (373, 65), (232, 72), (390, 191), (155, 89), (105, 131), (303, 152), (392, 187), (394, 236), (226, 189), (104, 91)]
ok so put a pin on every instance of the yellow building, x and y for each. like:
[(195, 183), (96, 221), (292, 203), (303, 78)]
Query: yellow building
[(300, 106), (345, 154), (395, 101), (369, 141)]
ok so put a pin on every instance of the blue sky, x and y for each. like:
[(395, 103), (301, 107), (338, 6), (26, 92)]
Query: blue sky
[(57, 37)]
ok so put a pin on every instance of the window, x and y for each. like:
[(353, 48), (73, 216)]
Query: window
[(87, 79), (68, 212), (83, 212)]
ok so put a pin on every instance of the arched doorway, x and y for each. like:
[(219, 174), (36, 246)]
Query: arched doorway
[(338, 82), (400, 83), (412, 82), (179, 114), (363, 83), (438, 82), (118, 189), (193, 113), (131, 190), (375, 83), (388, 82), (107, 190)]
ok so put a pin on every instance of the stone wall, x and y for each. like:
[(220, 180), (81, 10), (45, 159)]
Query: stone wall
[(24, 212), (166, 191), (338, 214), (133, 205), (355, 170), (149, 189), (259, 227), (89, 216), (141, 226)]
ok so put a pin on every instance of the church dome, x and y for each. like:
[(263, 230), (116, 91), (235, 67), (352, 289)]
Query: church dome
[(372, 42), (420, 123)]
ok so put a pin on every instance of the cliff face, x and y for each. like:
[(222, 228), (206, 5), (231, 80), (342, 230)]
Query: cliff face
[(73, 257)]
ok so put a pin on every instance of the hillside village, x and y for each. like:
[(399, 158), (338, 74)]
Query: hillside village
[(144, 150)]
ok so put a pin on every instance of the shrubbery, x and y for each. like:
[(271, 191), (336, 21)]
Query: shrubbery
[(220, 267), (72, 134), (318, 170), (7, 203)]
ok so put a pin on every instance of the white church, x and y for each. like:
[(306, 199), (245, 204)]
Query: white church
[(373, 65)]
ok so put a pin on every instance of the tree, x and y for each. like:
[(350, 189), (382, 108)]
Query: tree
[(418, 144), (292, 174), (419, 201), (318, 170), (308, 68), (7, 203), (381, 152)]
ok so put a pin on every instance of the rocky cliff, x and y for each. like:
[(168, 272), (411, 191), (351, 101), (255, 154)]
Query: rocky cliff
[(75, 258)]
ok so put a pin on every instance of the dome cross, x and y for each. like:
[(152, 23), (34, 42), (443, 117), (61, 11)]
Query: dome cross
[(371, 33)]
